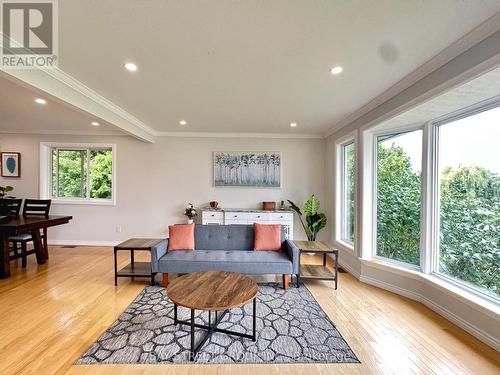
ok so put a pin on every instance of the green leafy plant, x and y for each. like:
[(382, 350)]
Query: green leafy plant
[(315, 221), (4, 190)]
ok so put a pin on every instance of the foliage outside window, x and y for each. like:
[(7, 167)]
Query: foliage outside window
[(469, 210), (82, 173), (347, 188), (398, 196)]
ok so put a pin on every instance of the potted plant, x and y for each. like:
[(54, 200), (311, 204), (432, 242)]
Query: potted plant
[(314, 221), (4, 190), (3, 195), (190, 212)]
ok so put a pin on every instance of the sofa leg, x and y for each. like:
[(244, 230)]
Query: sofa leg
[(286, 281), (165, 279)]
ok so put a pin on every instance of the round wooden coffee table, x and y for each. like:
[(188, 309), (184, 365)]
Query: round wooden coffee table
[(212, 291)]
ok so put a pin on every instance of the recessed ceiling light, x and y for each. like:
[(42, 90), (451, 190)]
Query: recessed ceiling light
[(336, 70), (94, 123), (131, 67), (40, 101), (293, 124), (182, 122)]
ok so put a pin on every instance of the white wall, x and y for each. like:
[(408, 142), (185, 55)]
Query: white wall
[(156, 181)]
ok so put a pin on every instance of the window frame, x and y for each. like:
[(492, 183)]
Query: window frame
[(374, 135), (350, 138), (430, 204), (435, 217), (46, 149)]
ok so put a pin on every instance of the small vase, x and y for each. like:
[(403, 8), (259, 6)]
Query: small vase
[(190, 221)]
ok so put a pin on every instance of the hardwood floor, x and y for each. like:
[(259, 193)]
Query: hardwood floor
[(52, 313)]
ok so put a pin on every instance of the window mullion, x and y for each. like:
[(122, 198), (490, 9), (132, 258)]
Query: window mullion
[(88, 174), (342, 192), (57, 173), (435, 191), (427, 199)]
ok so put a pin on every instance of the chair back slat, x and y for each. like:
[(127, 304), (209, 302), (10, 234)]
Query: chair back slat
[(37, 207), (11, 207)]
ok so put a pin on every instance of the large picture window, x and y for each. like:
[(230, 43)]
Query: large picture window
[(78, 173), (469, 200), (399, 163), (347, 192)]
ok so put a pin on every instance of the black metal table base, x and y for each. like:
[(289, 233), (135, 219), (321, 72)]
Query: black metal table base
[(211, 328), (334, 278)]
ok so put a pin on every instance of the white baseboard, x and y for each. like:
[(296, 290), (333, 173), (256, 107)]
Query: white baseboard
[(83, 243), (466, 326), (391, 288), (345, 266)]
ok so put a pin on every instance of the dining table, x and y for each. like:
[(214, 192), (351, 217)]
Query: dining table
[(26, 224)]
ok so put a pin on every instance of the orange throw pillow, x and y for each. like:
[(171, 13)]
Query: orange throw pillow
[(181, 237), (267, 237)]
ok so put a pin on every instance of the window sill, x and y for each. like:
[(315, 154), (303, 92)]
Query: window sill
[(466, 296), (83, 202), (345, 245), (391, 267)]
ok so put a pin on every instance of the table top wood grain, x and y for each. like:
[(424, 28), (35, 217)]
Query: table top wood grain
[(316, 246), (138, 243), (34, 221), (212, 290)]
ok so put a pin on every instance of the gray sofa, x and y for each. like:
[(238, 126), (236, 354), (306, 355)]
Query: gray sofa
[(226, 248)]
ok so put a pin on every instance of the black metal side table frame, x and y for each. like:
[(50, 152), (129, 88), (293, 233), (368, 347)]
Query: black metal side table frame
[(318, 272), (135, 269), (211, 328)]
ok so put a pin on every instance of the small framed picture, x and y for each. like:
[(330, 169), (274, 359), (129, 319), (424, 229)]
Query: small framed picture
[(11, 164)]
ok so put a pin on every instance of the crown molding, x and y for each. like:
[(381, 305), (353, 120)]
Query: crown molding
[(64, 132), (481, 32), (238, 135)]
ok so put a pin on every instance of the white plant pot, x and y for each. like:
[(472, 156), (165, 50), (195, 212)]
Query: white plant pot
[(190, 221)]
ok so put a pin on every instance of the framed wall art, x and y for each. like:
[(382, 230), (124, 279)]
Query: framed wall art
[(11, 164), (247, 168)]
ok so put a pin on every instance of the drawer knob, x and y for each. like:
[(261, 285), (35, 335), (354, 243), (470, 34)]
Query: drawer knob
[(258, 217)]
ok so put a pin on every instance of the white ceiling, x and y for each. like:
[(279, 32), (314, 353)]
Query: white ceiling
[(20, 113), (252, 66)]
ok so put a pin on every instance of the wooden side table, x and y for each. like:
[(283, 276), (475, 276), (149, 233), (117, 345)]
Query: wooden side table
[(135, 269), (317, 272)]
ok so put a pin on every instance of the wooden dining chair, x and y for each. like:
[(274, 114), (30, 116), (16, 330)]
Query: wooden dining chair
[(11, 206), (32, 207)]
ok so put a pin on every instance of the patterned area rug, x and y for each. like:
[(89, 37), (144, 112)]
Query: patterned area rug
[(291, 328)]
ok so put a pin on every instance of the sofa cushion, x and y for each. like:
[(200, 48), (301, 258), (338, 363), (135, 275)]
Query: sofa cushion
[(245, 262), (267, 237), (181, 237), (226, 237), (230, 237)]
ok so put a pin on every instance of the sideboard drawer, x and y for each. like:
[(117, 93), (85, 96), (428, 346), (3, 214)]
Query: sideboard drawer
[(235, 222), (248, 216), (281, 216), (211, 215)]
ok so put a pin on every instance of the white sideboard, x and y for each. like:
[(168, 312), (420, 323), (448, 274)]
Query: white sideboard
[(241, 216)]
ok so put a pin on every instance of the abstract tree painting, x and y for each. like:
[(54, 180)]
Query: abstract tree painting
[(256, 169)]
